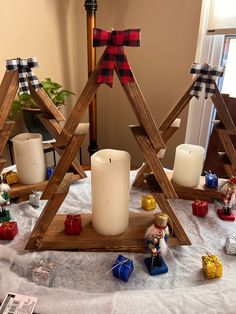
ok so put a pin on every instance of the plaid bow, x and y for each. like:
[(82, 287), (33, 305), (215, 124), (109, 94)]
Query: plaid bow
[(208, 74), (114, 52), (24, 69)]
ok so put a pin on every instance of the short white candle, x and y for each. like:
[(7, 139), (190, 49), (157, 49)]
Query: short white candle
[(110, 178), (188, 165), (29, 158)]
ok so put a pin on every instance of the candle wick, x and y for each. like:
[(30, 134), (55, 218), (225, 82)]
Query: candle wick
[(110, 159)]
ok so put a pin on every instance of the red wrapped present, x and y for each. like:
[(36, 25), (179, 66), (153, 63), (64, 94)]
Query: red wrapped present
[(8, 230), (73, 224), (200, 208)]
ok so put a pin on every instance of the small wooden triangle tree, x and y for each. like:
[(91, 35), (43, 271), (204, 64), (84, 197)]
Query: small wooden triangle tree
[(48, 232)]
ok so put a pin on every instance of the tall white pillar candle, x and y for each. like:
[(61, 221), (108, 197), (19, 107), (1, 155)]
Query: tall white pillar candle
[(29, 158), (110, 178), (188, 165)]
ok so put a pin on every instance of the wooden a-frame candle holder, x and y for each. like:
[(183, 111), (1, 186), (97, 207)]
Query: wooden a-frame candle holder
[(8, 90), (48, 232), (224, 129)]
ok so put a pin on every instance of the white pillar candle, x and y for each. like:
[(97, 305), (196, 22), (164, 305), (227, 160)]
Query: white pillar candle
[(110, 178), (188, 165), (29, 158)]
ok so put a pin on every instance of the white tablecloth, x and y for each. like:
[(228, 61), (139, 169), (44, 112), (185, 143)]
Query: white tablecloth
[(81, 284)]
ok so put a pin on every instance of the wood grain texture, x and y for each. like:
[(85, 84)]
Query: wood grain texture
[(78, 111), (48, 213), (22, 190), (8, 89), (54, 128), (132, 240), (45, 103), (200, 192), (153, 161), (222, 110), (140, 178), (178, 106), (2, 163), (228, 145), (63, 165), (166, 208), (5, 134), (143, 113)]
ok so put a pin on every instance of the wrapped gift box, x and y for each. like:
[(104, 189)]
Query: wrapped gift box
[(230, 244), (10, 177), (148, 202), (8, 230), (212, 266), (123, 268), (200, 208), (5, 215), (43, 273), (211, 180), (73, 224), (34, 199)]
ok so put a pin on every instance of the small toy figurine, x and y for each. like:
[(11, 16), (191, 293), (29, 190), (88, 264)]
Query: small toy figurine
[(211, 180), (4, 214), (229, 198), (156, 238), (148, 202)]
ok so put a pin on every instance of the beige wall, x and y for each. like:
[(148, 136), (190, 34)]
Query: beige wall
[(55, 32)]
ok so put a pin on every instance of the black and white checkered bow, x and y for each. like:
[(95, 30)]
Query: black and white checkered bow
[(207, 76), (25, 73)]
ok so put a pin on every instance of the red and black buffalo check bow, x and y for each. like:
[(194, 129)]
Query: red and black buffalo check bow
[(24, 69), (207, 76), (114, 52)]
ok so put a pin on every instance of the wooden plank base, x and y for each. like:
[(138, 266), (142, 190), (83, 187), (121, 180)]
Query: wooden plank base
[(20, 190), (132, 240)]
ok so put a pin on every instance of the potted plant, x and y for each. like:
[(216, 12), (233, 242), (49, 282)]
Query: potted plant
[(30, 109)]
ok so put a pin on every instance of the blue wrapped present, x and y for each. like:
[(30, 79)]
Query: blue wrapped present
[(123, 268), (211, 180)]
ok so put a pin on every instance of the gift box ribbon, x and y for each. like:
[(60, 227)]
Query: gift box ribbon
[(207, 76), (114, 53), (25, 73)]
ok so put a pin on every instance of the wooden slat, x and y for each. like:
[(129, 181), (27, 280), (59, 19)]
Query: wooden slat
[(22, 190), (48, 213), (153, 161), (143, 113), (200, 192), (166, 208), (132, 240), (5, 134), (54, 128), (2, 163), (222, 110), (79, 109), (178, 106), (45, 103), (8, 90), (228, 145), (139, 179), (63, 165), (166, 135)]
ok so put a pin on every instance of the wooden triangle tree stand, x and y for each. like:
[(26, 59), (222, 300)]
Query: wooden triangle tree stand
[(8, 90), (48, 232), (224, 129)]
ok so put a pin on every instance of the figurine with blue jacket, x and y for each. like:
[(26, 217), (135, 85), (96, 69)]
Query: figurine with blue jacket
[(156, 240)]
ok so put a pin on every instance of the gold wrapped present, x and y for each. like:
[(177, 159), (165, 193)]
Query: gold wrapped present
[(10, 177), (148, 202), (212, 266)]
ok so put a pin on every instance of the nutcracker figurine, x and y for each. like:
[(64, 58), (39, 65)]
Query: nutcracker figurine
[(229, 198), (156, 238)]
